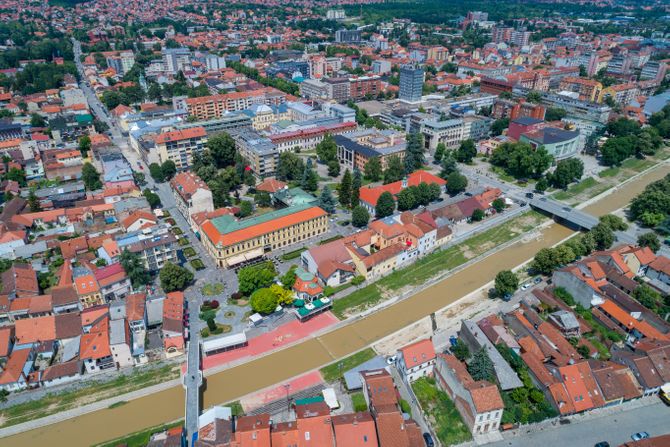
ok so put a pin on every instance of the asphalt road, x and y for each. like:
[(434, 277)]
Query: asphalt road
[(611, 426)]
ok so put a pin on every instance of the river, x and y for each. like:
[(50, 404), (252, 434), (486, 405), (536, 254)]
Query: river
[(280, 366)]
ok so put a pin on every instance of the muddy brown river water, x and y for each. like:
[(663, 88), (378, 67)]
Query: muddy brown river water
[(313, 353)]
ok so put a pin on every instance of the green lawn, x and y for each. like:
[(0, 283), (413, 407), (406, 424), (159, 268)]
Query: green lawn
[(212, 289), (358, 402), (435, 263), (502, 175), (95, 391), (189, 252), (440, 412), (295, 254), (588, 182), (140, 438), (197, 264), (335, 370)]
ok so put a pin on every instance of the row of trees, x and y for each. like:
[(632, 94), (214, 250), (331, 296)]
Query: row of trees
[(629, 139), (601, 237), (652, 206)]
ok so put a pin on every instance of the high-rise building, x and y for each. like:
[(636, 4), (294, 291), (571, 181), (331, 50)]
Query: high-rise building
[(176, 59), (347, 36), (127, 60), (411, 83)]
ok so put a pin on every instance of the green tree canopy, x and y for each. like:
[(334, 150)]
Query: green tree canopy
[(91, 177), (385, 205), (506, 282), (135, 268), (373, 169), (174, 277), (264, 301), (360, 216), (255, 277)]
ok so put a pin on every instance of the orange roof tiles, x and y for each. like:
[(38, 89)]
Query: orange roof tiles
[(94, 345), (371, 194), (14, 367), (627, 320), (86, 284), (418, 353), (32, 330), (260, 229), (183, 134)]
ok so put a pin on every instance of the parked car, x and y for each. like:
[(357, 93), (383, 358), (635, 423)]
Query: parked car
[(525, 286), (429, 440), (390, 360), (602, 444), (537, 279), (640, 435)]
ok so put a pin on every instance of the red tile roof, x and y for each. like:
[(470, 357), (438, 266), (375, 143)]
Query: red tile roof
[(183, 134), (370, 195), (418, 353)]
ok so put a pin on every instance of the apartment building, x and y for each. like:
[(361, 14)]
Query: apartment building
[(260, 152), (588, 89), (355, 149), (180, 146), (306, 139), (450, 132), (155, 246), (362, 86), (192, 195), (216, 106)]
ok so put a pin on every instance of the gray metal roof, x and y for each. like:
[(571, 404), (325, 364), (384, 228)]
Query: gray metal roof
[(352, 378)]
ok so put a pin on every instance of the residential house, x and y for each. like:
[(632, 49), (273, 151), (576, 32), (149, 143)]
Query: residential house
[(113, 281), (119, 343), (314, 425), (355, 430), (416, 360), (478, 402), (369, 195), (14, 376), (306, 286), (173, 324), (192, 195)]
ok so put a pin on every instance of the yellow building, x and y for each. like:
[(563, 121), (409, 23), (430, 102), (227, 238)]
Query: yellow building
[(231, 242)]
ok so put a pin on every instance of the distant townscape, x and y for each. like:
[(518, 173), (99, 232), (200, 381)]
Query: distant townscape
[(352, 223)]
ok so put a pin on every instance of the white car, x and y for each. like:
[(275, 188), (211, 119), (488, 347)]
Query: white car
[(525, 286), (391, 360)]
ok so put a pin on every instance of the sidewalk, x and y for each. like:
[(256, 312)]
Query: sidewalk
[(279, 392), (284, 335)]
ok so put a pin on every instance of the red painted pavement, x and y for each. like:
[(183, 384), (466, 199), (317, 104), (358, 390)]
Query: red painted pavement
[(284, 335), (278, 392)]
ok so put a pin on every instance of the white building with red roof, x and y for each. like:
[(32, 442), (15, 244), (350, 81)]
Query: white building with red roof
[(192, 195), (416, 360)]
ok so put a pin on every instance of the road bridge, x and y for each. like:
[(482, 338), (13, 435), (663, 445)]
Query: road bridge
[(565, 213)]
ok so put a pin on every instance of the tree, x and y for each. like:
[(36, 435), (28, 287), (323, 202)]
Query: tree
[(498, 126), (623, 127), (542, 185), (385, 205), (174, 277), (284, 296), (255, 277), (356, 183), (156, 172), (394, 170), (617, 149), (309, 181), (603, 236), (481, 367), (499, 205), (566, 172), (460, 350), (360, 216), (477, 215), (555, 114), (466, 151), (544, 261), (264, 301), (448, 165), (262, 198), (650, 240), (406, 199), (373, 169), (506, 283), (36, 120), (139, 178), (616, 223), (290, 167), (345, 189), (333, 168), (134, 268), (439, 152), (456, 183), (34, 202), (534, 96), (326, 200), (648, 297), (521, 160), (326, 150), (288, 278), (414, 157), (246, 208), (435, 191), (584, 351), (90, 177), (17, 175), (169, 169), (222, 149), (152, 198), (84, 145)]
